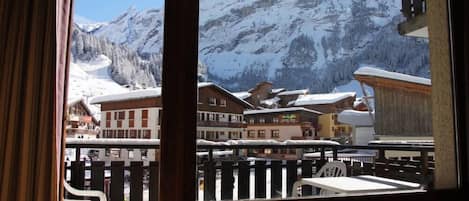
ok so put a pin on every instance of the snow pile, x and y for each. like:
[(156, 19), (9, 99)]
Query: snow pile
[(294, 92), (254, 142), (317, 99), (276, 91), (310, 142), (113, 141), (131, 95), (369, 71), (356, 118), (210, 143), (288, 109), (242, 94), (271, 102)]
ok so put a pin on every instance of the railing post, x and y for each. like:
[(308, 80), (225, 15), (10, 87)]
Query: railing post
[(276, 179), (77, 177), (323, 154), (209, 180), (424, 166), (97, 176), (154, 179), (306, 172), (292, 175), (381, 155), (117, 180), (227, 180), (243, 179), (334, 153), (260, 178), (136, 177)]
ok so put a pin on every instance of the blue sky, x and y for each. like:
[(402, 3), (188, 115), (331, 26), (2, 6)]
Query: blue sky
[(106, 10)]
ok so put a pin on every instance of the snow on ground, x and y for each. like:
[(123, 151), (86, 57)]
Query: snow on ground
[(92, 79)]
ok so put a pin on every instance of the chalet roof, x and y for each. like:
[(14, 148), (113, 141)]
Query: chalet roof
[(276, 91), (378, 73), (92, 111), (294, 92), (287, 109), (131, 95), (155, 92), (271, 101), (319, 99), (242, 94)]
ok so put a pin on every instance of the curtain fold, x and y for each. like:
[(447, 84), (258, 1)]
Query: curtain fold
[(34, 39)]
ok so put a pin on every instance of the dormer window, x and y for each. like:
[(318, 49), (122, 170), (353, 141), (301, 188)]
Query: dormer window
[(212, 101)]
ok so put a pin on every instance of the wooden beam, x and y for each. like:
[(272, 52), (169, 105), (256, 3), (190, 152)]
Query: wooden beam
[(178, 145)]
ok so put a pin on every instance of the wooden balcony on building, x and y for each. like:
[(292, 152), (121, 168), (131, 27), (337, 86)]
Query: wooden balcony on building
[(415, 24)]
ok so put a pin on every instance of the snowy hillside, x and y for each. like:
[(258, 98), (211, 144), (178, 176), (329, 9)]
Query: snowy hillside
[(92, 79), (314, 44)]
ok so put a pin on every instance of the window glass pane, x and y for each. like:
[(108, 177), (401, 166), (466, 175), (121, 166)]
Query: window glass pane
[(335, 73), (115, 87)]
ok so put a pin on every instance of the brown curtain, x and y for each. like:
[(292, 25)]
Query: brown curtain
[(31, 97)]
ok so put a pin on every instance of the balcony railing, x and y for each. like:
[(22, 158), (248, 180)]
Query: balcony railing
[(228, 177), (413, 8)]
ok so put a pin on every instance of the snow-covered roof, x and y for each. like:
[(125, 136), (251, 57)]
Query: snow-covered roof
[(369, 71), (294, 92), (151, 93), (270, 101), (242, 94), (317, 99), (287, 109), (206, 84), (131, 95), (356, 118), (274, 91)]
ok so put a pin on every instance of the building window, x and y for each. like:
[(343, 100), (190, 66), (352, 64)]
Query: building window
[(223, 103), (108, 119), (147, 134), (119, 123), (251, 133), (275, 133), (133, 133), (144, 118), (212, 101), (131, 119), (121, 115), (261, 134), (251, 120)]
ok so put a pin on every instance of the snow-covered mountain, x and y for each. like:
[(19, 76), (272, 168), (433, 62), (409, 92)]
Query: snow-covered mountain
[(314, 44)]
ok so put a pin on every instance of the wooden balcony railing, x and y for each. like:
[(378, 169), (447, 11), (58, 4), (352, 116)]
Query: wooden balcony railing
[(413, 8), (140, 182)]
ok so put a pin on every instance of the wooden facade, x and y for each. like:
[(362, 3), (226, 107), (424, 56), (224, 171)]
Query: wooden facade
[(259, 93), (80, 122), (401, 108), (291, 123)]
